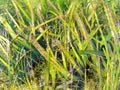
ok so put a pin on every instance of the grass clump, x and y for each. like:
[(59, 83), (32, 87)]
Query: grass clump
[(46, 44)]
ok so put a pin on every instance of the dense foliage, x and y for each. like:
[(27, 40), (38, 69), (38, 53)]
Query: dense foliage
[(59, 44)]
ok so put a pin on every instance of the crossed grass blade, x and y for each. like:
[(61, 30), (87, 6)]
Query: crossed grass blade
[(52, 59)]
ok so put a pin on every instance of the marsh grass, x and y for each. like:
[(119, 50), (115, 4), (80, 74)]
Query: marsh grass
[(49, 45)]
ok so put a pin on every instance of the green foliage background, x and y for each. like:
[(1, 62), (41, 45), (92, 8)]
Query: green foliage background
[(59, 44)]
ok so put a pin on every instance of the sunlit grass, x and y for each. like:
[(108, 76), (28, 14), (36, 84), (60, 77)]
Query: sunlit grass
[(60, 44)]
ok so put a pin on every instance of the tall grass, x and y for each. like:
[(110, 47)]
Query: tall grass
[(70, 44)]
